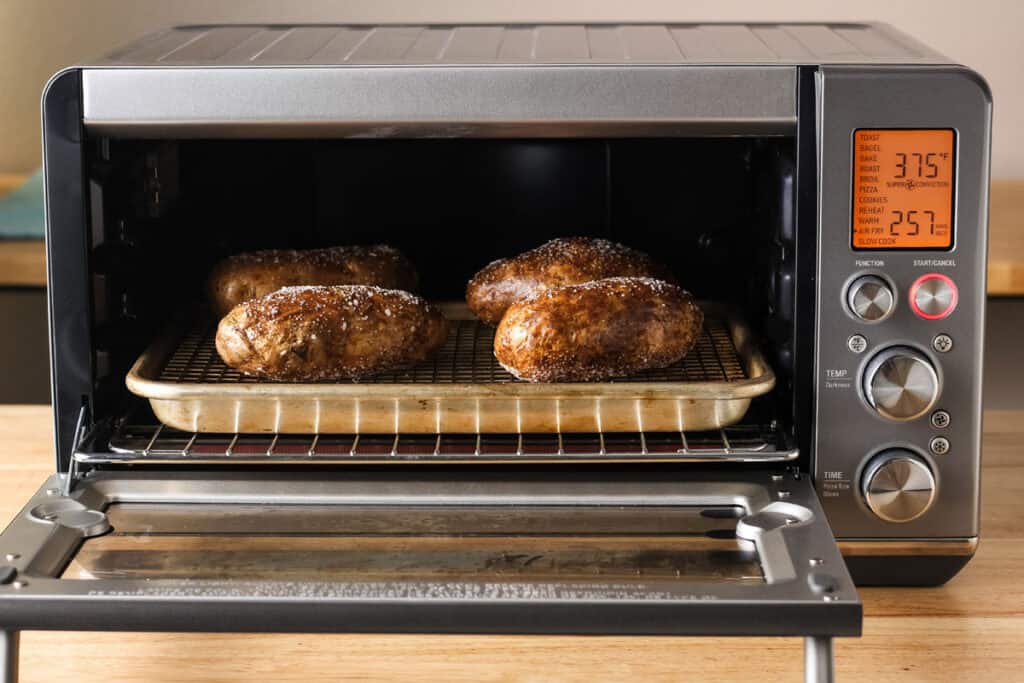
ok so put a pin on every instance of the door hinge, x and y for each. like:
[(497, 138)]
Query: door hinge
[(72, 476)]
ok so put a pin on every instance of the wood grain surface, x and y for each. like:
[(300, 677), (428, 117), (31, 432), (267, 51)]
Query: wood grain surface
[(22, 263), (10, 181), (970, 629), (1006, 239)]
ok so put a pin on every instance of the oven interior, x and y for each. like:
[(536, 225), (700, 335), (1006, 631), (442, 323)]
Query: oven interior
[(719, 211)]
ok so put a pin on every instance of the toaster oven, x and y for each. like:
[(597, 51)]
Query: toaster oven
[(821, 188)]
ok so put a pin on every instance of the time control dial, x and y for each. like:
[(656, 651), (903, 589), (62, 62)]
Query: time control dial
[(900, 383), (898, 486)]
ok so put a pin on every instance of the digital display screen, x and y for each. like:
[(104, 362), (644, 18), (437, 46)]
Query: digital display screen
[(903, 189)]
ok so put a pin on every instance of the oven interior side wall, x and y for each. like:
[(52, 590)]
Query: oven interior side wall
[(718, 211)]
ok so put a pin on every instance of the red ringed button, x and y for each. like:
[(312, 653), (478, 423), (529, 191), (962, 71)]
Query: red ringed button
[(933, 296)]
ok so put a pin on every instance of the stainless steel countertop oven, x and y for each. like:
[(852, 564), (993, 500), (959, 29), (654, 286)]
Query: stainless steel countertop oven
[(822, 188)]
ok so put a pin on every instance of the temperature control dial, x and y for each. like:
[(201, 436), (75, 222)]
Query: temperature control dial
[(898, 486), (900, 383), (870, 298)]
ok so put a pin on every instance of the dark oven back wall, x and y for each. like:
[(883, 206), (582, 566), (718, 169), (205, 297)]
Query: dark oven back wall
[(718, 211)]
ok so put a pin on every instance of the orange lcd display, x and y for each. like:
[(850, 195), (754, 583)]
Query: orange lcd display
[(903, 189)]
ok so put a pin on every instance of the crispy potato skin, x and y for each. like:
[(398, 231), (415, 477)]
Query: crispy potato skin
[(563, 261), (597, 330), (329, 333), (254, 274)]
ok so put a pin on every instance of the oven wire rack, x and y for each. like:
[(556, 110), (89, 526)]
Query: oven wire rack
[(461, 390), (161, 444), (467, 357)]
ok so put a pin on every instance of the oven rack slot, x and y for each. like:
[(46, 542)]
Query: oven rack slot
[(163, 444)]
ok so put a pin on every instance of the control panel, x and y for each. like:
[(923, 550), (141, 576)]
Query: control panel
[(903, 163)]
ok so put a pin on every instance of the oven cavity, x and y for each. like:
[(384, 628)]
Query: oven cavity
[(718, 212)]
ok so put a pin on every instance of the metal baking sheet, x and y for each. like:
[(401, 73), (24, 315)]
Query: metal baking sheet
[(462, 390)]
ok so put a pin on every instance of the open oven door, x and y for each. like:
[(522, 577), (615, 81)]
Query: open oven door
[(682, 552)]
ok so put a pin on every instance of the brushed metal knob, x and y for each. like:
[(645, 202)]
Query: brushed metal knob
[(900, 383), (933, 296), (870, 298), (898, 486)]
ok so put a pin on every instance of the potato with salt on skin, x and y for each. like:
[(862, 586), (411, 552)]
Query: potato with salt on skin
[(597, 330), (329, 333), (563, 261), (253, 274)]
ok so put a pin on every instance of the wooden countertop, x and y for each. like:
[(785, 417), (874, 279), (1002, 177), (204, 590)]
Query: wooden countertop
[(1006, 238), (969, 629), (22, 263), (10, 181)]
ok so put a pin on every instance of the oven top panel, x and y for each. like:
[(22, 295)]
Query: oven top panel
[(310, 100), (355, 45), (472, 80)]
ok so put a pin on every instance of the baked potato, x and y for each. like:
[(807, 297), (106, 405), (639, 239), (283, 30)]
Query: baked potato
[(250, 275), (597, 330), (318, 333), (563, 261)]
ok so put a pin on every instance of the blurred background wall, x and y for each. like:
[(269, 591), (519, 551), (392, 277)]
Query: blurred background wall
[(39, 36)]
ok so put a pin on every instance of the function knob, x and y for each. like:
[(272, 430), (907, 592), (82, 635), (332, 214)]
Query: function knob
[(870, 298), (933, 296), (900, 383), (898, 486)]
